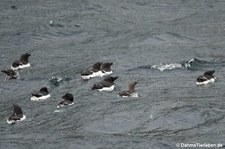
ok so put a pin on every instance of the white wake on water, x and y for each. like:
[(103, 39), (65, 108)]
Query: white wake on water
[(162, 67)]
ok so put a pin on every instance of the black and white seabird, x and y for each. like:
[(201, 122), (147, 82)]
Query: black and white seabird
[(106, 69), (206, 78), (131, 92), (92, 72), (106, 85), (22, 63), (16, 116), (11, 74), (41, 95), (67, 100)]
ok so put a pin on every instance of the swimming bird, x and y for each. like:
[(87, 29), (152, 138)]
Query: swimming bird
[(92, 72), (106, 85), (11, 74), (67, 100), (106, 69), (131, 92), (53, 24), (22, 63), (206, 78), (16, 116), (42, 94)]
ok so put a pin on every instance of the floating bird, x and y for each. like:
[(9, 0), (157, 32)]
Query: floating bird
[(106, 85), (41, 95), (22, 63), (16, 116), (11, 74), (131, 92), (92, 72), (67, 100), (53, 24), (206, 78), (14, 7)]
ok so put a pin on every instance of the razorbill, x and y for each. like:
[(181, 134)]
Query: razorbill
[(67, 100), (206, 78), (16, 116), (131, 92), (40, 95), (22, 63), (92, 72), (106, 85), (11, 74)]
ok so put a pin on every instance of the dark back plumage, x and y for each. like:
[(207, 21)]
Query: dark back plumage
[(17, 110), (96, 67), (106, 66), (110, 79), (24, 58), (201, 79), (107, 82), (9, 72), (44, 91), (209, 74), (16, 63), (68, 96)]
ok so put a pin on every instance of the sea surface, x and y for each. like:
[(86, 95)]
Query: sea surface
[(163, 44)]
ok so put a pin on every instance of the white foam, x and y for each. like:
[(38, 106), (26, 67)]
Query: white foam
[(188, 64), (17, 76), (56, 111), (33, 98), (162, 67), (13, 121), (58, 79), (108, 89), (62, 105)]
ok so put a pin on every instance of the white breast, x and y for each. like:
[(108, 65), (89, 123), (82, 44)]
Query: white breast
[(13, 121), (24, 66), (21, 66), (105, 73), (33, 98), (108, 89), (206, 82)]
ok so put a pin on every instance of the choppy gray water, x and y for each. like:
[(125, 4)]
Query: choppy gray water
[(165, 45)]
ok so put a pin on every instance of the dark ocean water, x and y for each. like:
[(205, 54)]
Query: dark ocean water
[(165, 45)]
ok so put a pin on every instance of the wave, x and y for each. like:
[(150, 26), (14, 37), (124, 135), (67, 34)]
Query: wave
[(162, 67), (56, 81), (192, 64), (199, 64)]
